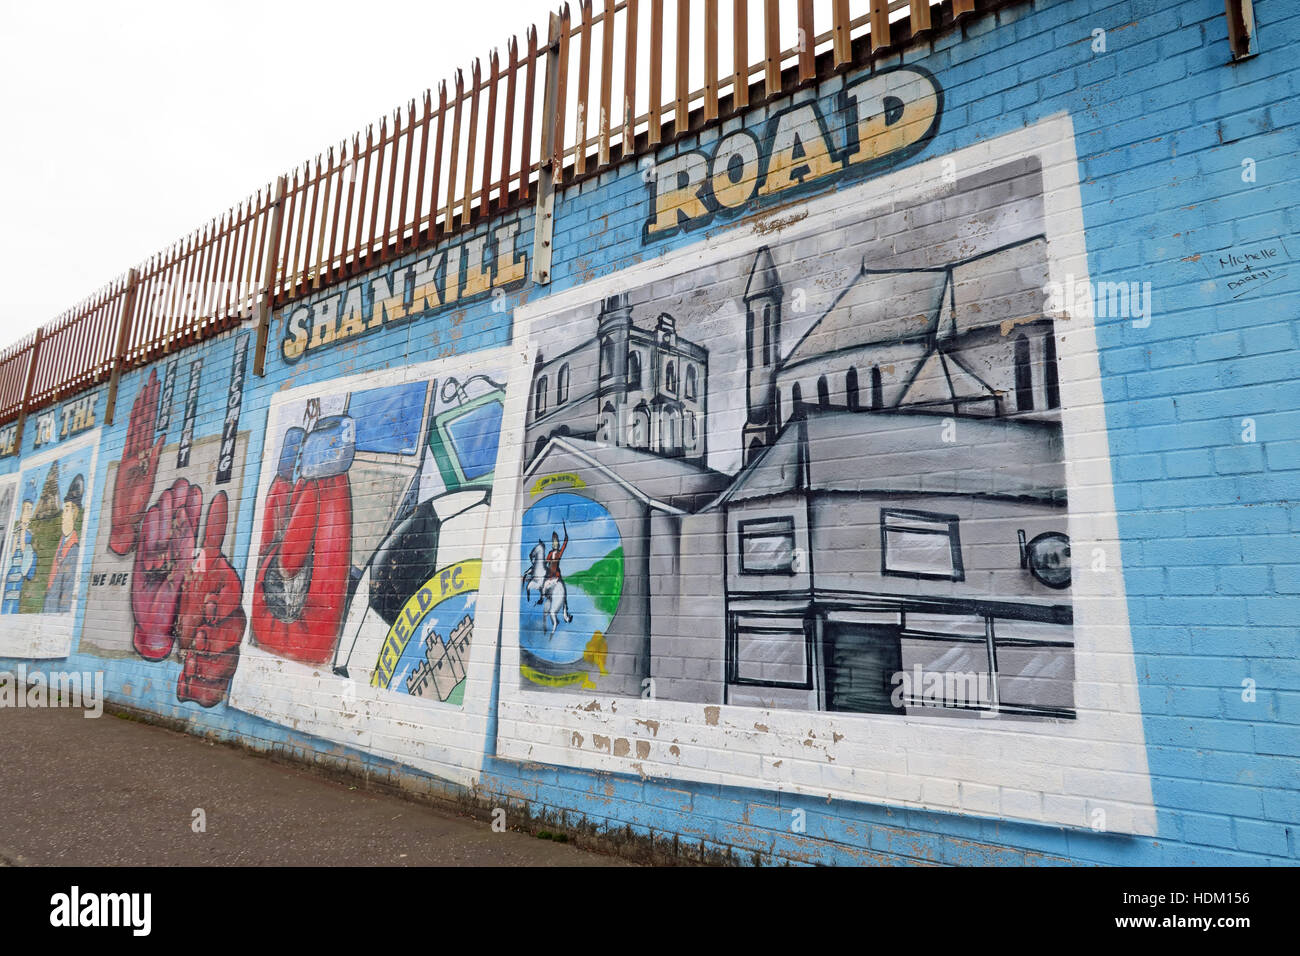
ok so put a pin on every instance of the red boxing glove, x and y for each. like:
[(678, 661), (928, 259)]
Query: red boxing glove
[(303, 565), (210, 621), (137, 470), (168, 533)]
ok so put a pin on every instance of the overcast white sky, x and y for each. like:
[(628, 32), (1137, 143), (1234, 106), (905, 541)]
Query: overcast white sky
[(129, 123)]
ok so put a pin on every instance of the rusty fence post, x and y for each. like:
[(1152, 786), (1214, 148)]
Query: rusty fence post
[(544, 209), (27, 391), (268, 278), (123, 338)]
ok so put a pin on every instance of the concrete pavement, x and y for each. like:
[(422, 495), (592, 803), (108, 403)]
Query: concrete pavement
[(116, 792)]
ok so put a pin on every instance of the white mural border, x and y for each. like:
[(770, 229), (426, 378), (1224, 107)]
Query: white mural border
[(1089, 772), (444, 739)]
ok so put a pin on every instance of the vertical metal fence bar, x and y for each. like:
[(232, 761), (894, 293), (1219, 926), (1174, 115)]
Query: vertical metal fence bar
[(771, 47), (530, 98), (606, 83), (396, 138), (740, 55), (476, 84), (656, 131), (682, 82), (879, 24), (840, 26), (125, 318), (276, 210), (508, 123), (710, 60), (489, 135), (920, 16), (629, 80), (435, 183), (580, 120), (450, 215), (807, 41)]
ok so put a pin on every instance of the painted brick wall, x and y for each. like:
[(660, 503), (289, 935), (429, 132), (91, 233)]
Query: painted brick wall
[(1157, 722)]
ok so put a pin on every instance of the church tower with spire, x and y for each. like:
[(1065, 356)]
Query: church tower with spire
[(763, 354)]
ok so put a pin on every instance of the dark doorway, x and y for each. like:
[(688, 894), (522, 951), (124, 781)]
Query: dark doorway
[(861, 661)]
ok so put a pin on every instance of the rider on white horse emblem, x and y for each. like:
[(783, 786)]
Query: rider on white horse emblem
[(544, 574)]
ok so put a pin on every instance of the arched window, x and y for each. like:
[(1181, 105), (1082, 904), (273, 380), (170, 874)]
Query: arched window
[(562, 385), (640, 429), (690, 382), (796, 399), (691, 431), (1051, 377), (539, 397), (823, 392), (851, 389), (606, 358), (670, 377), (1024, 375), (877, 389), (605, 432), (634, 369), (669, 429)]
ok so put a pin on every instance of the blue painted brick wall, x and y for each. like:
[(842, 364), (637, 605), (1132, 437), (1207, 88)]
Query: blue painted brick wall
[(1209, 530)]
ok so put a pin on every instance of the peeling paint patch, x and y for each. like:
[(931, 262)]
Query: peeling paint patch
[(769, 226), (1008, 325)]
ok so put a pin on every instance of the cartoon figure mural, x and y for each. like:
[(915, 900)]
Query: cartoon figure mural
[(544, 575), (7, 486), (60, 587), (162, 561), (43, 555), (22, 557), (44, 547)]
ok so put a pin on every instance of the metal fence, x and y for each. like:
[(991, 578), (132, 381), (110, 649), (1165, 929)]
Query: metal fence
[(612, 80)]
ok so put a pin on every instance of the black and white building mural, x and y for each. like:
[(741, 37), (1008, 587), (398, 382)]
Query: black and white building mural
[(884, 519), (817, 480)]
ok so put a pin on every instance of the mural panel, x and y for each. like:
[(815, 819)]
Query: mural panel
[(816, 479), (884, 514), (368, 556), (162, 587), (44, 523)]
